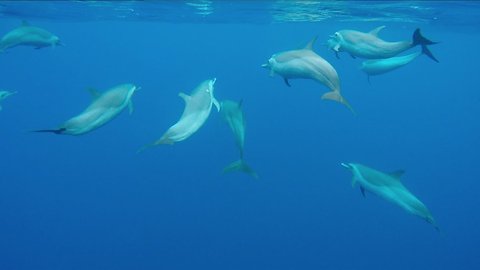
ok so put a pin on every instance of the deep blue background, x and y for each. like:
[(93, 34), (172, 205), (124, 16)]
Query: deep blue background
[(91, 202)]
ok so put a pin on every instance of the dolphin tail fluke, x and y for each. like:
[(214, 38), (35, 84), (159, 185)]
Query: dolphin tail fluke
[(418, 39), (336, 96), (240, 166), (56, 131)]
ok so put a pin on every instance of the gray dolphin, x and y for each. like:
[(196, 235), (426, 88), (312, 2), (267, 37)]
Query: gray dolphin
[(370, 46), (380, 66), (5, 94), (28, 35), (197, 109), (104, 108), (306, 64), (390, 188), (232, 113)]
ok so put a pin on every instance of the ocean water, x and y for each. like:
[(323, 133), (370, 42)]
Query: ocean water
[(93, 202)]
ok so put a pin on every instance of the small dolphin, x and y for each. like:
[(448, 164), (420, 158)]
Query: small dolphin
[(380, 66), (306, 64), (370, 46), (197, 109), (103, 109), (28, 36), (389, 187), (232, 113), (4, 95)]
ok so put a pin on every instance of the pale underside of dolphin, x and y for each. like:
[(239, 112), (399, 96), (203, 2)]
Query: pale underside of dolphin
[(370, 46), (232, 113), (27, 35), (197, 110), (103, 109), (306, 64), (4, 95), (389, 187), (381, 66)]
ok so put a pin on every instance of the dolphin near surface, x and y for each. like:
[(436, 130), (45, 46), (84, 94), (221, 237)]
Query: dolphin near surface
[(232, 113), (28, 35), (370, 46), (103, 108), (197, 109), (306, 64), (5, 94), (380, 66), (389, 187)]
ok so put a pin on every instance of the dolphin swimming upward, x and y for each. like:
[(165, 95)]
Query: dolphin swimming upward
[(232, 113), (389, 187), (370, 46), (4, 95), (28, 36), (103, 109), (197, 109), (306, 64)]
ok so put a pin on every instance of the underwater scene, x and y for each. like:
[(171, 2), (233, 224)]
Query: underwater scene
[(239, 135)]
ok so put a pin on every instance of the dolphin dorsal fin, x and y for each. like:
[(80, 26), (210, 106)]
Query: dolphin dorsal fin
[(184, 97), (377, 30), (93, 92), (397, 174), (309, 45), (25, 23)]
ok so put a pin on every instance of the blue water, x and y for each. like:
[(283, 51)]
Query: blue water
[(92, 202)]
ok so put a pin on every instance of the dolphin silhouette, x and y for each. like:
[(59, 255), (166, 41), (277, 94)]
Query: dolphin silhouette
[(104, 108), (370, 46), (232, 113), (390, 188), (197, 109), (28, 35), (306, 64), (5, 94)]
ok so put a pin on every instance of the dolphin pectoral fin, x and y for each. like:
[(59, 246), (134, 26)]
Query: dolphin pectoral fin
[(335, 96), (216, 103), (130, 107), (377, 30), (362, 189), (272, 72), (286, 82)]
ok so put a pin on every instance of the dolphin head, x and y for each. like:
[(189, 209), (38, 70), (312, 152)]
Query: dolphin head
[(5, 94), (347, 165), (335, 41), (270, 64), (55, 41)]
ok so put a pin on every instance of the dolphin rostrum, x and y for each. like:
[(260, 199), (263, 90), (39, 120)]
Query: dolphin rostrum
[(103, 109), (197, 109), (370, 46), (389, 187), (28, 35), (306, 64), (4, 95), (232, 113)]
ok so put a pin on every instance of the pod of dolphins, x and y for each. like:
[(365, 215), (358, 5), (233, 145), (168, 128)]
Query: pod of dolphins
[(382, 56)]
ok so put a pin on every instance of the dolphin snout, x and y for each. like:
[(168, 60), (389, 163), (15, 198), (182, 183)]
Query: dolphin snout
[(345, 165), (265, 65)]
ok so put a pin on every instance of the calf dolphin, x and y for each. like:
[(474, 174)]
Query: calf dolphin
[(103, 109), (370, 46), (306, 64), (197, 109), (232, 113), (28, 35), (4, 95), (380, 66), (390, 188)]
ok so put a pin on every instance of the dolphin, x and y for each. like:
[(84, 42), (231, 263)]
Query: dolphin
[(5, 94), (380, 66), (370, 46), (28, 35), (104, 108), (197, 109), (232, 113), (306, 64), (389, 187)]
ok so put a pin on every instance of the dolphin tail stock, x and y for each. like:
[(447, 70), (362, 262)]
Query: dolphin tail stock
[(56, 131), (419, 39), (240, 166), (336, 96)]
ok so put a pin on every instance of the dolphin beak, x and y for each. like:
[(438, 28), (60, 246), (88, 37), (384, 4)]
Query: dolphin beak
[(345, 165), (264, 65)]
